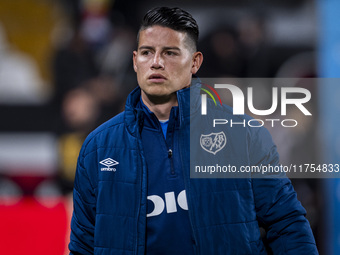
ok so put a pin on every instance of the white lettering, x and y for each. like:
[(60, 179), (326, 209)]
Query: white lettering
[(238, 97), (170, 203), (239, 100), (158, 203), (260, 123), (262, 112), (272, 120), (298, 102), (219, 121), (182, 200), (256, 123), (243, 123), (291, 120), (204, 104)]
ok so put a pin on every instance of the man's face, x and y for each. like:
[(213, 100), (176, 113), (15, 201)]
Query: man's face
[(164, 62)]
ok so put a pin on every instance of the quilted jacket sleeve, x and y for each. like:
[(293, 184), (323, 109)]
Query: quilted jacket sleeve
[(277, 207), (83, 218)]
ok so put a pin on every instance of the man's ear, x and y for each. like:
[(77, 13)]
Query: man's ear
[(134, 60), (197, 60)]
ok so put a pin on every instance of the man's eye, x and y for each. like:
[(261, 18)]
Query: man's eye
[(145, 52), (170, 53)]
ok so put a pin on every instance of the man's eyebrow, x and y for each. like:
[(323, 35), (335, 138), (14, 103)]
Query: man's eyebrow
[(144, 47), (171, 48)]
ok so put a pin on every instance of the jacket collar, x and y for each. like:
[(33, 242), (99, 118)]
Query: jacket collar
[(188, 102)]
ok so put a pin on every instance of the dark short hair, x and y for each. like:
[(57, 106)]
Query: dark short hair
[(174, 18)]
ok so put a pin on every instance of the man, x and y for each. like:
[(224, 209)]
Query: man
[(133, 193)]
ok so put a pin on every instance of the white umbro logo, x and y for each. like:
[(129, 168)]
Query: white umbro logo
[(108, 163)]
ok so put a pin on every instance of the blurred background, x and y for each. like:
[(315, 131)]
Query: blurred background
[(66, 67)]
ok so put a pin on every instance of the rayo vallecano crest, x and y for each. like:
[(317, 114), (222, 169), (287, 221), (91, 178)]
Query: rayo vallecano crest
[(213, 142)]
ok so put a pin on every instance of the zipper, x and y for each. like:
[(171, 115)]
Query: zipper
[(172, 169), (170, 153), (169, 148), (171, 134)]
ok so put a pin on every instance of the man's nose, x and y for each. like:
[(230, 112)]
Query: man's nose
[(157, 62)]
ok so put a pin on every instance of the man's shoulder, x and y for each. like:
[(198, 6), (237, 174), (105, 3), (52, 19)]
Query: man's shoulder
[(99, 136), (111, 123)]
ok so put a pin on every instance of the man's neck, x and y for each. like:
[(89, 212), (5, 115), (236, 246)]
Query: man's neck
[(161, 108)]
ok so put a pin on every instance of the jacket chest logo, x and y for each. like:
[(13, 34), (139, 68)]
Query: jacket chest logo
[(214, 142), (109, 162)]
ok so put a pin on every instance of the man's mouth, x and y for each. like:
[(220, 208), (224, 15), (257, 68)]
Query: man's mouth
[(157, 78)]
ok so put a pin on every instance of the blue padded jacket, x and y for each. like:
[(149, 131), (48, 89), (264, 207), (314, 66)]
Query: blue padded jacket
[(110, 191)]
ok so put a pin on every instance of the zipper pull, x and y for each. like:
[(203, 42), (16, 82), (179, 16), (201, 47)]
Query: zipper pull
[(169, 153)]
